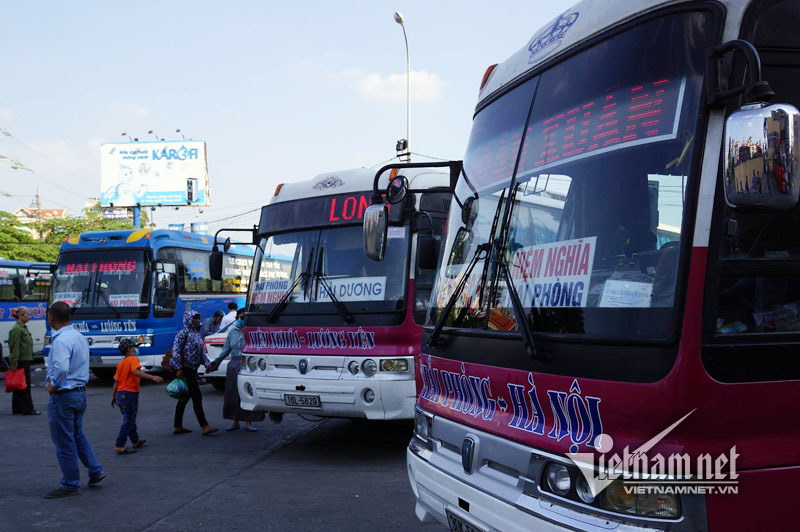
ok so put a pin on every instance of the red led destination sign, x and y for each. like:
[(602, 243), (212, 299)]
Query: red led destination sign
[(618, 117), (319, 211), (122, 266)]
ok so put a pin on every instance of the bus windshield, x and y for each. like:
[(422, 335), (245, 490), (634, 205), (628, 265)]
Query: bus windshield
[(582, 175), (96, 281), (329, 261)]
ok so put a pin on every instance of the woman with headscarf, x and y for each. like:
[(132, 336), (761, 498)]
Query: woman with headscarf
[(187, 355), (234, 343)]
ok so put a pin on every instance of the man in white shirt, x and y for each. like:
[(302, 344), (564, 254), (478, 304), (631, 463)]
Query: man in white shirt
[(230, 317)]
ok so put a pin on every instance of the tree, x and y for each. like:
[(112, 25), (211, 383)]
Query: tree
[(17, 244), (55, 230)]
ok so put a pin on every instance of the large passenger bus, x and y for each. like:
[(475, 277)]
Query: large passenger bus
[(624, 355), (329, 332), (24, 284), (137, 284)]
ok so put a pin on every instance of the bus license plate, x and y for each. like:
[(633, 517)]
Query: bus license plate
[(459, 525), (95, 360), (308, 401)]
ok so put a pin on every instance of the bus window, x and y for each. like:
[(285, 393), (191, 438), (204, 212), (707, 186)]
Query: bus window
[(236, 273), (193, 274), (166, 294), (36, 285), (10, 287)]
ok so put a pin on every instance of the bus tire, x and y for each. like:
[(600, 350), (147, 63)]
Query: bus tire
[(218, 384)]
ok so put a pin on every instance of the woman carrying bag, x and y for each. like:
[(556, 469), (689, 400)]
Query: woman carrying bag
[(20, 344), (234, 343), (187, 355)]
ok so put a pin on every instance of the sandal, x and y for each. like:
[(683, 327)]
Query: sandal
[(210, 431), (126, 450), (251, 429), (181, 431), (139, 443)]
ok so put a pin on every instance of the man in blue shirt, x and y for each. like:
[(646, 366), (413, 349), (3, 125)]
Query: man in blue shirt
[(67, 375), (212, 324)]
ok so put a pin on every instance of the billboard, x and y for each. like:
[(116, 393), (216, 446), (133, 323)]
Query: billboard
[(154, 173)]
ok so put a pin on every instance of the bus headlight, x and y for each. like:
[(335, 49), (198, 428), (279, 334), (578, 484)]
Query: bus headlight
[(394, 364), (352, 367), (558, 479), (369, 367), (422, 425), (251, 363), (369, 395), (262, 364), (618, 498)]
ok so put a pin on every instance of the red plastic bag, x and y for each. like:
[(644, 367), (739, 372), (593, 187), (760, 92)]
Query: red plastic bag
[(15, 380)]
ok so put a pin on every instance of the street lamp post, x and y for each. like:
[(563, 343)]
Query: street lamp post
[(398, 17)]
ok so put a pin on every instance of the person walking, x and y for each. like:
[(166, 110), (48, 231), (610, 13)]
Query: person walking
[(67, 375), (187, 355), (230, 317), (20, 343), (125, 393), (234, 343), (212, 324)]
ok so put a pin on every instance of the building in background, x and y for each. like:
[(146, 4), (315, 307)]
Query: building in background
[(27, 216)]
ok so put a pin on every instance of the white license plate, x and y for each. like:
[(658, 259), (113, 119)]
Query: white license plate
[(95, 360), (459, 525), (307, 401)]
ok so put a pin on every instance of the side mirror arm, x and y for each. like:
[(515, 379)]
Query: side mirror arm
[(755, 90)]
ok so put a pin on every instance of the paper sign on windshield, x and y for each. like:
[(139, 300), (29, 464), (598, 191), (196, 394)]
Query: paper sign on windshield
[(269, 292), (123, 300), (70, 298), (354, 289), (554, 275), (626, 294)]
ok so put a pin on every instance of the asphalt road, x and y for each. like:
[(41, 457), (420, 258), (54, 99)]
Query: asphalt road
[(298, 475)]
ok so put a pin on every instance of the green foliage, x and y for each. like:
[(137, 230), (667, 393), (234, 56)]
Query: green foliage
[(17, 243), (56, 230)]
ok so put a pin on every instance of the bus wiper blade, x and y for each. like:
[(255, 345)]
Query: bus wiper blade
[(481, 252), (105, 298), (519, 313), (78, 301), (284, 300), (341, 307)]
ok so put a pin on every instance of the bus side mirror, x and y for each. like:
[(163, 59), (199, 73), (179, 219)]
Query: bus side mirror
[(53, 268), (227, 245), (376, 227), (397, 189), (215, 264), (428, 249), (762, 157)]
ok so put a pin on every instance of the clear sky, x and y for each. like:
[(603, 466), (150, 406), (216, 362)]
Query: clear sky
[(281, 91)]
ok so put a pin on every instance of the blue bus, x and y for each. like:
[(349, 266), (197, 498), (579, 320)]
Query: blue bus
[(24, 284), (137, 284)]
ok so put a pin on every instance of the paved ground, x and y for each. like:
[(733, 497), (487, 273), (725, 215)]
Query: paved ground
[(299, 475)]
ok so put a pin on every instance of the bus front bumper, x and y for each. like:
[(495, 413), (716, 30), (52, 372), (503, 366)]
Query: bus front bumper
[(393, 399), (438, 493)]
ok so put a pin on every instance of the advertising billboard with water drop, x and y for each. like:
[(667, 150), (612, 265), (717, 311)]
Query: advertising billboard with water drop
[(154, 173)]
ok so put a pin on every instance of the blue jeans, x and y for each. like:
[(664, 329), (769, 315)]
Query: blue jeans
[(128, 403), (65, 414)]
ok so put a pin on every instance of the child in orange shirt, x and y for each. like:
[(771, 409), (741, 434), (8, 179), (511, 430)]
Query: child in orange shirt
[(126, 394)]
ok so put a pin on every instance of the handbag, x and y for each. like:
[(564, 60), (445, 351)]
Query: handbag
[(168, 356), (178, 389), (15, 380)]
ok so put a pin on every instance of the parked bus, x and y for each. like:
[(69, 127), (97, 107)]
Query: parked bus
[(24, 284), (635, 368), (327, 331), (137, 284)]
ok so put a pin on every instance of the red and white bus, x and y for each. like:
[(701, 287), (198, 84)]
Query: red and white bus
[(329, 332), (613, 340)]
